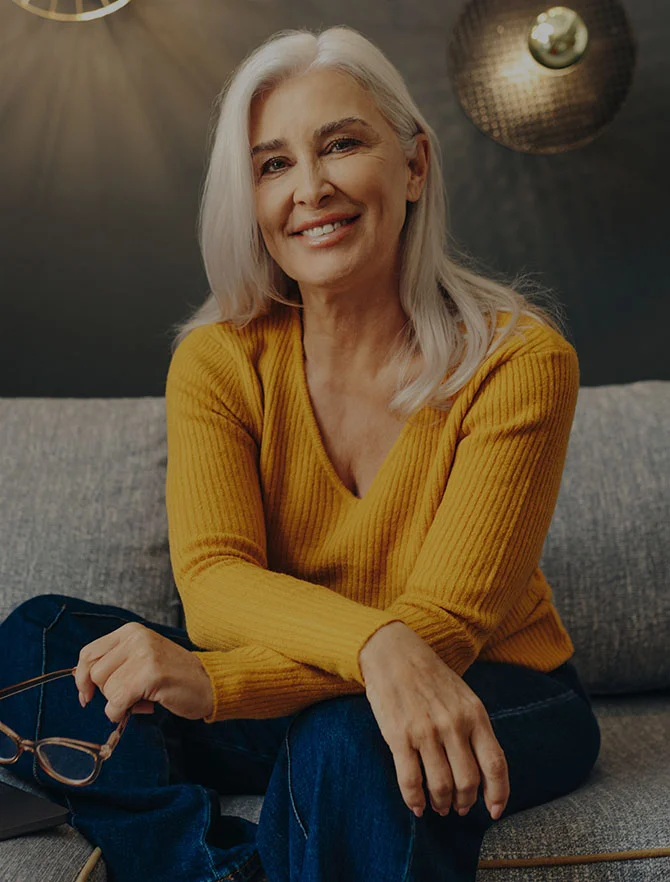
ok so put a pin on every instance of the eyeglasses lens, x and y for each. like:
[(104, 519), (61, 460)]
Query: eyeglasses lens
[(69, 762)]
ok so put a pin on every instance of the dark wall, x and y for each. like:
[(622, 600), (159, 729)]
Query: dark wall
[(103, 141)]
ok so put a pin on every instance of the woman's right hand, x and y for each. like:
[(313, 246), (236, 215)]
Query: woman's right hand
[(425, 710)]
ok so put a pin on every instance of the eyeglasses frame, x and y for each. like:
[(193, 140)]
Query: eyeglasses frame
[(100, 752)]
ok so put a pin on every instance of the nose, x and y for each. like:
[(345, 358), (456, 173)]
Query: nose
[(312, 184)]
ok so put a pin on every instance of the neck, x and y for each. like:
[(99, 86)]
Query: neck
[(341, 341)]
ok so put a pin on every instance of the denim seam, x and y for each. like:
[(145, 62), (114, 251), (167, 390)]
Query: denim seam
[(412, 838), (205, 827), (515, 711), (72, 813), (290, 788), (40, 707), (234, 874), (100, 615)]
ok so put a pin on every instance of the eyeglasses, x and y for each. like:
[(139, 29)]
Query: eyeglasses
[(68, 760)]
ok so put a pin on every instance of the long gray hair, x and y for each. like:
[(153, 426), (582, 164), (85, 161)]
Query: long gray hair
[(443, 298)]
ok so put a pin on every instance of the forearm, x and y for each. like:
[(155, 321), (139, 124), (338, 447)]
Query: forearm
[(236, 602), (254, 682)]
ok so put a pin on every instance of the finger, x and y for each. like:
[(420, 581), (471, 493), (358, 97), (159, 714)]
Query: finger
[(101, 669), (439, 777), (465, 771), (143, 707), (493, 765), (123, 688), (410, 776), (87, 656)]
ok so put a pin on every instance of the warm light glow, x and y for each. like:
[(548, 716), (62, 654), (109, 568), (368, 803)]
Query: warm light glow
[(558, 38), (543, 32), (50, 9)]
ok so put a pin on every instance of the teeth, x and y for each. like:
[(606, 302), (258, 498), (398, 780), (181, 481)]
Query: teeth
[(323, 231)]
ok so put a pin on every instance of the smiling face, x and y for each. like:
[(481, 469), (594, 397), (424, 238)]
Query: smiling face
[(320, 166)]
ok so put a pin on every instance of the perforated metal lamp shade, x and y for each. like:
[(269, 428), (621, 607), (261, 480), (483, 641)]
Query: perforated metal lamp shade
[(71, 10), (521, 102)]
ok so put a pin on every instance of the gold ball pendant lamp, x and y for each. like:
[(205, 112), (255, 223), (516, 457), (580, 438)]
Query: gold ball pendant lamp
[(541, 79)]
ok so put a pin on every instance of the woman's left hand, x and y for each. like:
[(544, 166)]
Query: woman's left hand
[(134, 667)]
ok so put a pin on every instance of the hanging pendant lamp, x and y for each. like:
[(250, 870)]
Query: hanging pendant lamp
[(71, 10), (541, 79)]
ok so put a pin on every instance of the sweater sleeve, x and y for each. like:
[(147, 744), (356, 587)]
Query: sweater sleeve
[(491, 524), (216, 525), (254, 682)]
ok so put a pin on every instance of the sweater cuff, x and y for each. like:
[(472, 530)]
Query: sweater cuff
[(231, 677)]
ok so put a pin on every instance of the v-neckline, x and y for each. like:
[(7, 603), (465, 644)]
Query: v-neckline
[(306, 401)]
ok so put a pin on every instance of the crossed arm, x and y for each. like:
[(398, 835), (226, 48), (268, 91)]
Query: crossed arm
[(273, 643)]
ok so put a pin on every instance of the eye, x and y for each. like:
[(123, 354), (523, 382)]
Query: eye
[(267, 169), (344, 141)]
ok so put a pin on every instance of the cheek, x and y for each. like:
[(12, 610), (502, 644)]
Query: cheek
[(274, 215), (264, 219), (377, 184)]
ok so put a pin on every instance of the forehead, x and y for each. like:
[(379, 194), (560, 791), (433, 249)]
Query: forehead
[(304, 102)]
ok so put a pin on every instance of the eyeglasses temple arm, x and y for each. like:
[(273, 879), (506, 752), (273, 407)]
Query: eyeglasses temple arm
[(35, 681), (115, 737)]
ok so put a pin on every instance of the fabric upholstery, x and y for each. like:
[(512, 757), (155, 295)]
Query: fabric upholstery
[(82, 503), (607, 553)]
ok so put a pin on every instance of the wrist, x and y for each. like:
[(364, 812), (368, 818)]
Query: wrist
[(206, 690), (374, 644)]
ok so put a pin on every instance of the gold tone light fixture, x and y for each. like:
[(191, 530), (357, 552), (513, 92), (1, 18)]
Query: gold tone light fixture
[(71, 10), (558, 37), (541, 79)]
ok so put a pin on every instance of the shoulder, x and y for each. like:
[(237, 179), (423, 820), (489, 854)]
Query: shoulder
[(534, 368), (528, 336), (530, 341), (219, 367), (223, 345)]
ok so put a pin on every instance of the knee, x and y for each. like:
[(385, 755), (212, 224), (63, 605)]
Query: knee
[(590, 743), (45, 610), (41, 610), (337, 756), (336, 728)]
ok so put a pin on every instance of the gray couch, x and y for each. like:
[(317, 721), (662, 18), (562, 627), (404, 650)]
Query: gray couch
[(82, 513)]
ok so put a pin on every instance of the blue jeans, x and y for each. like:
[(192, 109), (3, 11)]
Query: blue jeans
[(332, 810)]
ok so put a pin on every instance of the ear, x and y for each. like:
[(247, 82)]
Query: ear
[(417, 168)]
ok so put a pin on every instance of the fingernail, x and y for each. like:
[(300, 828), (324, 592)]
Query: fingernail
[(418, 811), (496, 811), (463, 811), (82, 700)]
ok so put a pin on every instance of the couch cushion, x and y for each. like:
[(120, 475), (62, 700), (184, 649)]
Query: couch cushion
[(60, 854), (82, 503), (623, 807), (607, 556)]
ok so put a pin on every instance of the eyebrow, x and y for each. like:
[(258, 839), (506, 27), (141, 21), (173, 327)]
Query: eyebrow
[(326, 129)]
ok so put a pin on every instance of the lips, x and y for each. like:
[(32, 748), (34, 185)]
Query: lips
[(325, 223)]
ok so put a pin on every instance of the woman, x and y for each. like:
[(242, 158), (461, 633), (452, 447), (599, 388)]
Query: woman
[(365, 447)]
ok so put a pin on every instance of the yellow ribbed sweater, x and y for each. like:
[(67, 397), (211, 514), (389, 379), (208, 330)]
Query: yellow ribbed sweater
[(284, 574)]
